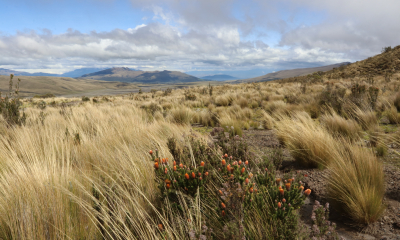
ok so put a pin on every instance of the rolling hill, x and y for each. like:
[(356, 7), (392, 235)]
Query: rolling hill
[(123, 74), (32, 85), (292, 73)]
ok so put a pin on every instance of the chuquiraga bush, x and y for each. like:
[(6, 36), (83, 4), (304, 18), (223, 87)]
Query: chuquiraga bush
[(245, 194), (179, 177), (11, 104), (243, 191)]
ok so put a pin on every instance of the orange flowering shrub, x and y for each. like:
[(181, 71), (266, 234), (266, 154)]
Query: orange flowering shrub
[(178, 178)]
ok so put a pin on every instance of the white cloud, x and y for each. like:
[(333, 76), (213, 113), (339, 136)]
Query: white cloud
[(220, 34)]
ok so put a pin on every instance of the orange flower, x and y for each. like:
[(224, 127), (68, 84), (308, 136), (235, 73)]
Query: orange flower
[(160, 226), (156, 159), (287, 185), (193, 175), (243, 169), (167, 181), (278, 181), (232, 176), (281, 191), (199, 174), (168, 185), (301, 188), (223, 205), (166, 170), (163, 160), (251, 190), (247, 181), (200, 178), (151, 152), (240, 162), (166, 159), (279, 204), (228, 167), (247, 162), (187, 176), (156, 165), (223, 162), (174, 168), (181, 165), (202, 164), (284, 200), (223, 213), (250, 175), (307, 192), (226, 155), (174, 163), (220, 192), (290, 180), (206, 174)]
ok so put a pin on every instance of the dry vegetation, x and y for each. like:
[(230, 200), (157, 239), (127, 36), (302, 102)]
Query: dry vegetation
[(82, 170)]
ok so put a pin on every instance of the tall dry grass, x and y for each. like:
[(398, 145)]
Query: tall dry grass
[(341, 127), (356, 183), (48, 177), (356, 180), (309, 143)]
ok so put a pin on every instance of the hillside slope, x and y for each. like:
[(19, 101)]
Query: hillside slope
[(292, 73)]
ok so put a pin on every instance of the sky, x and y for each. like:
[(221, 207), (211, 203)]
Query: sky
[(197, 36)]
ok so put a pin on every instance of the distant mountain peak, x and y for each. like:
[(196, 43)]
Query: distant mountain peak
[(219, 77)]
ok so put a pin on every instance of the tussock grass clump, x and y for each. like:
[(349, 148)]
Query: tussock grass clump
[(205, 118), (223, 100), (366, 118), (231, 125), (356, 183), (392, 115), (271, 107), (309, 143), (182, 115), (339, 126), (267, 122), (242, 102)]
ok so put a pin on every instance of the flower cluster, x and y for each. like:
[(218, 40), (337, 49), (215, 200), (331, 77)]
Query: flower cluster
[(178, 177), (279, 195)]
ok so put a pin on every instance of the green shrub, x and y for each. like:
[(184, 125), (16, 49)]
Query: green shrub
[(11, 104), (85, 99)]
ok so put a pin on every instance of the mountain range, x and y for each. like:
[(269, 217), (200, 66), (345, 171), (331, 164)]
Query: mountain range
[(73, 74), (123, 74)]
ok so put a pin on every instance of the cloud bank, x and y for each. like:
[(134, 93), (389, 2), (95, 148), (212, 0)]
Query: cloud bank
[(218, 35)]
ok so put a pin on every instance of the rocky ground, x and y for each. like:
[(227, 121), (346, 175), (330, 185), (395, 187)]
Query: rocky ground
[(264, 142)]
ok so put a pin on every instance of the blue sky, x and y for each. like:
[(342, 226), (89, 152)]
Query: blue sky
[(218, 36)]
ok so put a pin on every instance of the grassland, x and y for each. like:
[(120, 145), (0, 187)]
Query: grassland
[(82, 169)]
